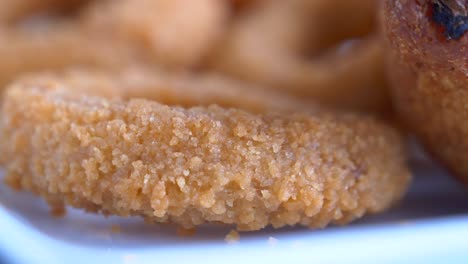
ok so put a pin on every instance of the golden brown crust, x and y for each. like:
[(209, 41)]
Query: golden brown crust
[(434, 109), (297, 46), (420, 40), (72, 140), (429, 77)]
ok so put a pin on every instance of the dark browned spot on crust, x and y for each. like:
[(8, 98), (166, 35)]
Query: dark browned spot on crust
[(450, 18)]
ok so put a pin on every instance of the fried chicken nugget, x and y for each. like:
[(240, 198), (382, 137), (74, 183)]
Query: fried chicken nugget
[(428, 70), (287, 45), (82, 140)]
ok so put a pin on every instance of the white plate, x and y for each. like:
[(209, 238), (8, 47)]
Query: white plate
[(429, 226)]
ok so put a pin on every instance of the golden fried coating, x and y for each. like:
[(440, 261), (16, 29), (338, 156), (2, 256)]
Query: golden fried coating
[(173, 34), (429, 75), (79, 140), (326, 50)]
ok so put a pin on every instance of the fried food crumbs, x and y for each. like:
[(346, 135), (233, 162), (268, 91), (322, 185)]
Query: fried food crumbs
[(232, 237)]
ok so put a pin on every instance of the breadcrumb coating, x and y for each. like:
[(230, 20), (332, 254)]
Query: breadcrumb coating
[(232, 237), (113, 152)]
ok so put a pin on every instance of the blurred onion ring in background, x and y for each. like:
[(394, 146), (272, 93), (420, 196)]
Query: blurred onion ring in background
[(50, 35), (327, 50), (95, 141)]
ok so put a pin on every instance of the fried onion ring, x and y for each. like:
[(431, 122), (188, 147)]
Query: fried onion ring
[(174, 32), (429, 74), (113, 34), (81, 141), (286, 44)]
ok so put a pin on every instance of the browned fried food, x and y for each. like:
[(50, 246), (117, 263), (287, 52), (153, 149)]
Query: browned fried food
[(327, 50), (97, 142), (429, 74)]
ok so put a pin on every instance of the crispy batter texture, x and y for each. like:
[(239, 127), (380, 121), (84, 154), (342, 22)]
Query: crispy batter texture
[(174, 34), (73, 141), (429, 76), (326, 50)]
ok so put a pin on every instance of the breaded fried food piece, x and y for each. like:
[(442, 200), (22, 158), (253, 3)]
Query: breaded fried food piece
[(429, 75), (326, 50), (73, 141)]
